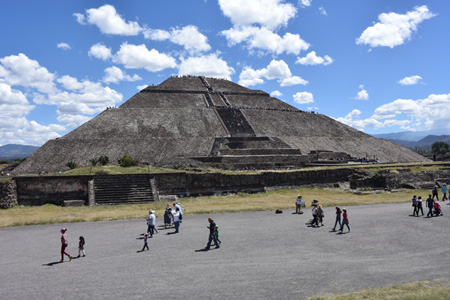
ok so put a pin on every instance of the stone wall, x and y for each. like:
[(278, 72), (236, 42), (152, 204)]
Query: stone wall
[(8, 194), (55, 190)]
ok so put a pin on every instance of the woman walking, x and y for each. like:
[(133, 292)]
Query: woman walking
[(419, 205), (176, 219), (64, 245), (338, 218), (345, 220)]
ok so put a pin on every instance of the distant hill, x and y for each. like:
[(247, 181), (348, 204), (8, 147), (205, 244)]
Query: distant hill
[(16, 151), (411, 136), (424, 143)]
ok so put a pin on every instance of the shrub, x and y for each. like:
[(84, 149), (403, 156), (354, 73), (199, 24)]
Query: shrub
[(71, 165), (103, 160), (94, 161), (440, 148), (127, 161)]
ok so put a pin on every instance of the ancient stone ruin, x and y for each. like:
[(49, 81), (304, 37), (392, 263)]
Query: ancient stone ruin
[(205, 121)]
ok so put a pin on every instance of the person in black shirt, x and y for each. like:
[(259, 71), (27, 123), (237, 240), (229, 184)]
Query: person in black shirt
[(212, 234)]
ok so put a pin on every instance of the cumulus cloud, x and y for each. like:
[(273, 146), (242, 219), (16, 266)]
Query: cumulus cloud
[(71, 121), (265, 40), (305, 3), (277, 69), (303, 98), (362, 94), (209, 65), (276, 94), (394, 29), (322, 11), (139, 57), (410, 80), (141, 87), (11, 96), (108, 21), (189, 37), (312, 59), (115, 75), (64, 46), (267, 13), (23, 71), (100, 51)]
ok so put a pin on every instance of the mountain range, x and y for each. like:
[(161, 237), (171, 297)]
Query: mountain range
[(16, 151)]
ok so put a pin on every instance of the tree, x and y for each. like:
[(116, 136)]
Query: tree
[(127, 161), (71, 165), (439, 148), (94, 161), (103, 160)]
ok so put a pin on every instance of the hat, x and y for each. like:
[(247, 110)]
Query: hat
[(146, 234), (152, 211), (63, 229), (344, 209)]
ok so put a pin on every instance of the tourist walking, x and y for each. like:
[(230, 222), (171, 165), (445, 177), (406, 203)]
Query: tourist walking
[(64, 245), (168, 217), (81, 247), (320, 214), (444, 191), (177, 205), (145, 242), (419, 205), (414, 204), (151, 221), (338, 218), (176, 219), (212, 234), (345, 220), (314, 215), (298, 205), (435, 192), (430, 204)]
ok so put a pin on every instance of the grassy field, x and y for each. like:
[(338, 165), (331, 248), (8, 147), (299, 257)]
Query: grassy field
[(435, 290), (281, 199)]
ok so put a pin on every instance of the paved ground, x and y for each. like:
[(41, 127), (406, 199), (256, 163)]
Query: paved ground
[(263, 256)]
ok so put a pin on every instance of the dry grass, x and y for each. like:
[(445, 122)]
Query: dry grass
[(281, 199), (435, 290)]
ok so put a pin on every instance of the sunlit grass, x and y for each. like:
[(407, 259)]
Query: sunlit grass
[(281, 199), (435, 290)]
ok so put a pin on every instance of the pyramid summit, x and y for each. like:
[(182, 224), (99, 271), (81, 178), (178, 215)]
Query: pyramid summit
[(193, 120)]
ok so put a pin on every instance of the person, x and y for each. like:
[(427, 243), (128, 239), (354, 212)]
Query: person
[(212, 234), (314, 214), (437, 209), (64, 245), (217, 234), (435, 192), (320, 214), (298, 204), (151, 223), (176, 219), (168, 217), (414, 204), (81, 246), (145, 242), (430, 204), (444, 191), (338, 218), (177, 205), (345, 220), (419, 205)]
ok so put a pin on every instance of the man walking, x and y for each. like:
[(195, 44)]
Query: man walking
[(151, 223), (444, 191), (212, 234), (430, 204)]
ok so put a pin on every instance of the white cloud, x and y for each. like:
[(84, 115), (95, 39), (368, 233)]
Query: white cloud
[(294, 80), (70, 83), (362, 94), (108, 21), (322, 11), (303, 98), (267, 13), (71, 121), (139, 57), (20, 70), (100, 51), (266, 40), (189, 37), (276, 94), (312, 59), (11, 96), (277, 69), (394, 29), (115, 75), (22, 131), (305, 3), (64, 46), (141, 87), (410, 80), (210, 65)]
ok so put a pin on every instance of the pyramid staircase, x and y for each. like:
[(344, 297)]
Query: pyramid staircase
[(123, 189)]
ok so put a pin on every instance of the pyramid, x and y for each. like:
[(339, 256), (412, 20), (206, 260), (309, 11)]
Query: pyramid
[(200, 121)]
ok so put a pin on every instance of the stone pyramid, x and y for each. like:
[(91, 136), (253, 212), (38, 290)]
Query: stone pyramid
[(198, 121)]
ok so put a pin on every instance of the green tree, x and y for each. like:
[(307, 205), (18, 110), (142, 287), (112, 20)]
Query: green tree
[(71, 165), (439, 148), (94, 161), (103, 160), (127, 161)]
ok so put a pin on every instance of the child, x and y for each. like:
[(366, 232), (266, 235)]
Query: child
[(64, 245), (345, 220), (217, 234), (145, 242), (81, 247)]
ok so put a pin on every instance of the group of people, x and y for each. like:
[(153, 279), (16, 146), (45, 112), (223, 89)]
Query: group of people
[(318, 214), (435, 192), (65, 243), (434, 208)]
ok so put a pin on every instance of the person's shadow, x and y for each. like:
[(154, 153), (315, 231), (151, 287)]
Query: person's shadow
[(202, 250), (52, 263)]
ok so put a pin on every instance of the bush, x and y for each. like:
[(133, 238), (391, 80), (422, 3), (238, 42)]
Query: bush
[(127, 161), (440, 148), (71, 165), (103, 160), (94, 161)]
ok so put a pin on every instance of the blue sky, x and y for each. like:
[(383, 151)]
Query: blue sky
[(377, 65)]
